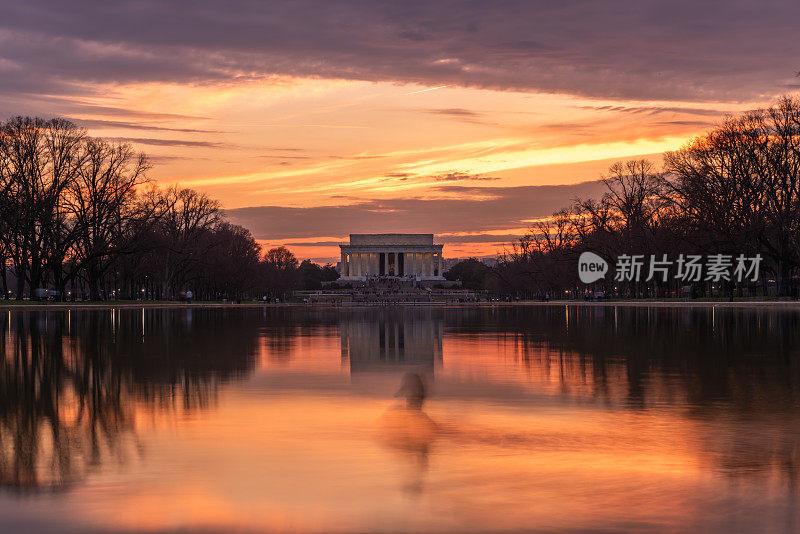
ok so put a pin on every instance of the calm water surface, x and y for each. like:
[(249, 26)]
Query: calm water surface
[(538, 419)]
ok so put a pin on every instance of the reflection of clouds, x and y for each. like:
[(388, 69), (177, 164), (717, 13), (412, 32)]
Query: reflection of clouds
[(535, 426), (724, 380), (731, 373), (753, 447)]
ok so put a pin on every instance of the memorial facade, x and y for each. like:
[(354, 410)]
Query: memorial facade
[(413, 256)]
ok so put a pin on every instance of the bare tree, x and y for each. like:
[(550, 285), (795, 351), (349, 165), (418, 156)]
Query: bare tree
[(106, 215), (80, 212), (39, 160), (739, 185), (280, 272), (184, 229)]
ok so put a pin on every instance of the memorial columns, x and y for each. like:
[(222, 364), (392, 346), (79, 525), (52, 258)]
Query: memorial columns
[(401, 260)]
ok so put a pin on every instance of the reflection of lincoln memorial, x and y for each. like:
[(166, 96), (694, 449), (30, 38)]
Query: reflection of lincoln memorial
[(391, 342), (394, 255)]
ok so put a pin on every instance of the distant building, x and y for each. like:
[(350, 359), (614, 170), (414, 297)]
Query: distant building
[(410, 256)]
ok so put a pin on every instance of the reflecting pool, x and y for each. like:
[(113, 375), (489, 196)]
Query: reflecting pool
[(487, 419)]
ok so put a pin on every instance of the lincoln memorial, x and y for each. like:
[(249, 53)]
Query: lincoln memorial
[(412, 256)]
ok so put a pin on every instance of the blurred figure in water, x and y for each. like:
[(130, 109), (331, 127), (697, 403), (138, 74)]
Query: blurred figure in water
[(407, 428), (413, 389)]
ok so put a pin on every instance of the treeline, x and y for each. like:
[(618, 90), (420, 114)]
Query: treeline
[(80, 216), (733, 191)]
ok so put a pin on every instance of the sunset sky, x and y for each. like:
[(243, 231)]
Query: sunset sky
[(313, 120)]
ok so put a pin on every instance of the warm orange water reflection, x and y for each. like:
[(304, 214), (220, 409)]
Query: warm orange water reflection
[(542, 424)]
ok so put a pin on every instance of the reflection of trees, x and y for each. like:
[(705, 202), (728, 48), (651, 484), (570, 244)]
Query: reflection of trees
[(59, 414), (71, 383), (284, 326), (736, 370), (280, 333)]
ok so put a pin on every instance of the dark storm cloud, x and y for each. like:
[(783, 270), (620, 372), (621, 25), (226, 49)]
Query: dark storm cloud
[(645, 50), (447, 239), (454, 112), (653, 110), (356, 157), (72, 106), (461, 114), (467, 209), (700, 124), (462, 176), (165, 142), (483, 238), (282, 156), (77, 106), (98, 123), (312, 244), (166, 159)]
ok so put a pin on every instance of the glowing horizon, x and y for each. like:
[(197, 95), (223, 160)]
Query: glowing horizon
[(281, 112), (315, 143)]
